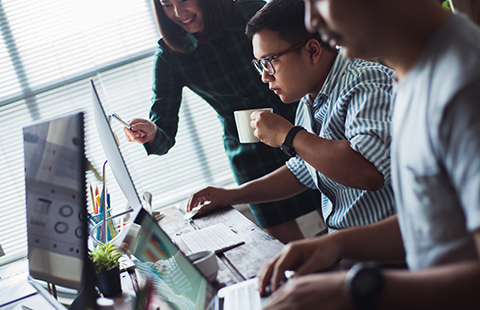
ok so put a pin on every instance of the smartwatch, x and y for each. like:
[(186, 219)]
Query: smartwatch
[(286, 146), (364, 282)]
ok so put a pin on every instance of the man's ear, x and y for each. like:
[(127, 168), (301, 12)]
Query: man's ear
[(314, 50)]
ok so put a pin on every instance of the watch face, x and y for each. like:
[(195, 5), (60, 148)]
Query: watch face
[(288, 150), (365, 283)]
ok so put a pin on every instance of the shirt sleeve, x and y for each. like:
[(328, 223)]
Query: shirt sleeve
[(367, 126), (167, 96), (298, 168), (460, 148)]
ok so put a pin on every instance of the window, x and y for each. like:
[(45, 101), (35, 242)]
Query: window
[(49, 50)]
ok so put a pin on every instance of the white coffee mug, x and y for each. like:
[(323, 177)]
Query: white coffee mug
[(206, 262), (243, 120)]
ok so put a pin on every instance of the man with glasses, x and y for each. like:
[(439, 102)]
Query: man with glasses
[(340, 141)]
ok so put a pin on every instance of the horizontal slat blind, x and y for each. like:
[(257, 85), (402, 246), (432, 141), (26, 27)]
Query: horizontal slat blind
[(48, 52)]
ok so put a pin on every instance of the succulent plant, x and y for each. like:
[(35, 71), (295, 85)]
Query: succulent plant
[(105, 257)]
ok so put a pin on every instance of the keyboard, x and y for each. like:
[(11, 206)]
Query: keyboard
[(217, 238), (242, 295)]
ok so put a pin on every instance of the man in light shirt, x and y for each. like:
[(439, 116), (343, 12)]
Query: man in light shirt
[(341, 137)]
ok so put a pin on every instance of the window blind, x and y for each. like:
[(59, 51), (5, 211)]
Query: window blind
[(49, 50)]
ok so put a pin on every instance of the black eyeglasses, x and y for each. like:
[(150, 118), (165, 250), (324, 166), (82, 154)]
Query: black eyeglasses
[(265, 64)]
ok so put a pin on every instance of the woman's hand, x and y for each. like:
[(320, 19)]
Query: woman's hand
[(143, 131)]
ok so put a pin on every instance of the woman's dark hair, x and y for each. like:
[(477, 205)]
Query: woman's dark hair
[(215, 14)]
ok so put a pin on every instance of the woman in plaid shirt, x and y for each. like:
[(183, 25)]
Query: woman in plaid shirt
[(204, 48)]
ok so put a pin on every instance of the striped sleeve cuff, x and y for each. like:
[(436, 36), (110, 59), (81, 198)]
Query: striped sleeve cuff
[(297, 166), (375, 151)]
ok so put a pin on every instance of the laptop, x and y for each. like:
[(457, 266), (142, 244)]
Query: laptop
[(176, 279)]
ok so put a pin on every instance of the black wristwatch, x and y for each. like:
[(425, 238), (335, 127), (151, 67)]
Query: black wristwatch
[(286, 146), (364, 282)]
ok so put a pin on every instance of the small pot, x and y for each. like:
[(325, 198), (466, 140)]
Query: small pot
[(108, 282)]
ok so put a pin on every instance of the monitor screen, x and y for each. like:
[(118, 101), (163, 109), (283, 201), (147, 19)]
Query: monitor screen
[(112, 152), (56, 200)]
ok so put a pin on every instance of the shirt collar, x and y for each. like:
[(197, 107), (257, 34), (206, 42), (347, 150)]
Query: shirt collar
[(191, 42), (335, 74)]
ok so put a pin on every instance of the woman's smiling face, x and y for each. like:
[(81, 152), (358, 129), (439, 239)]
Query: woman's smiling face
[(186, 13)]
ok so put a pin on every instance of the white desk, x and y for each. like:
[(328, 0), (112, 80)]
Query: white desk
[(18, 292)]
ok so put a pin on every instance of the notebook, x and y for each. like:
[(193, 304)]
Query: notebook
[(217, 238)]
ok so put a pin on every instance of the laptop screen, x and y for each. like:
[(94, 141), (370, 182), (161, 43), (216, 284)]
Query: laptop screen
[(174, 277)]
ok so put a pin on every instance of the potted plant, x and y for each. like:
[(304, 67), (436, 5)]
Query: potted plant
[(105, 262)]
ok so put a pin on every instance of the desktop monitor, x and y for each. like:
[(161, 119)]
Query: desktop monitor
[(112, 152), (56, 200)]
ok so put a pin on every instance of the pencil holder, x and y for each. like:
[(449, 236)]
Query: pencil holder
[(114, 226)]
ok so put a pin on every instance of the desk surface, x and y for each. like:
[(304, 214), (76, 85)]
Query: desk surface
[(237, 264)]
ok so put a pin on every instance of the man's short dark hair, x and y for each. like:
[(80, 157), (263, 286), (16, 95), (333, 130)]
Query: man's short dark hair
[(287, 17)]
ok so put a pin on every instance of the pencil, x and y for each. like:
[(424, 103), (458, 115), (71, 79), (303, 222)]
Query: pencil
[(93, 199)]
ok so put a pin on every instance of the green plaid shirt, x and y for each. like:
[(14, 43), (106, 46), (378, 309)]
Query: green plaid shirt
[(221, 73)]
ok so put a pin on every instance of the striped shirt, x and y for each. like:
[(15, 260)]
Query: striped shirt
[(354, 104)]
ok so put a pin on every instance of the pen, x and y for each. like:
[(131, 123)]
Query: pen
[(118, 118)]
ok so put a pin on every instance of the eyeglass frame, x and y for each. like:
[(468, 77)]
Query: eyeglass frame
[(260, 67)]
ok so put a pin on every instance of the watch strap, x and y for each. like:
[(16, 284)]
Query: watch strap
[(364, 282), (287, 144)]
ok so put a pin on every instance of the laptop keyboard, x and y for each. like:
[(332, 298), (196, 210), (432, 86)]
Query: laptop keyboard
[(241, 296), (217, 238)]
